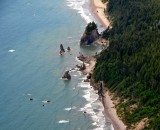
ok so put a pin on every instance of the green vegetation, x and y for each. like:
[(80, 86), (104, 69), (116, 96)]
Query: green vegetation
[(130, 66), (90, 27), (104, 1)]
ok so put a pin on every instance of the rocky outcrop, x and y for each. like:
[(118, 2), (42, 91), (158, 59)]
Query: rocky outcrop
[(89, 76), (88, 39), (81, 67), (68, 48), (66, 75), (61, 49)]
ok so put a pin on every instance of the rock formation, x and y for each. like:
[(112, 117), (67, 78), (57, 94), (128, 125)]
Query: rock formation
[(66, 75), (82, 67), (68, 48), (90, 35), (61, 48), (89, 76)]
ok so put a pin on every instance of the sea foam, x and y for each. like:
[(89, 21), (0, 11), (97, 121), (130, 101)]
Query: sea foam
[(79, 6), (94, 107), (63, 121), (11, 50)]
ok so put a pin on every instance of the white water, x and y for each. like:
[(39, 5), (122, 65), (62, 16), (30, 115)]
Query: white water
[(94, 107), (79, 5)]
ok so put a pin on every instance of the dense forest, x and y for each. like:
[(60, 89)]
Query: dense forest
[(130, 66)]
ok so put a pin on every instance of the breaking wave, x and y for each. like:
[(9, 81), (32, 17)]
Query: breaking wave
[(79, 5)]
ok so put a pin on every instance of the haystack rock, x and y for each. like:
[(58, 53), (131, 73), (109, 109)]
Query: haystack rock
[(90, 35), (89, 39)]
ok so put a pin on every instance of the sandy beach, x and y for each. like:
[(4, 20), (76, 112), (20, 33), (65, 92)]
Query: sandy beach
[(98, 9), (108, 103), (109, 107), (110, 111)]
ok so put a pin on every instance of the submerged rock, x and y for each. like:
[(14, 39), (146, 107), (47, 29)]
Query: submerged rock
[(31, 99)]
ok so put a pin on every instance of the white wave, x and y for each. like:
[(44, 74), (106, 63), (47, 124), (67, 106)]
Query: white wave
[(94, 107), (81, 61), (75, 69), (87, 96), (70, 108), (83, 78), (11, 50), (29, 94), (79, 6), (95, 123), (101, 128), (63, 121), (45, 101), (112, 128), (84, 84)]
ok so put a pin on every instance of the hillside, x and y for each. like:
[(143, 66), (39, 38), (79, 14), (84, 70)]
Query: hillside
[(130, 66)]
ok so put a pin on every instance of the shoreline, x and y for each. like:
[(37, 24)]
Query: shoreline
[(97, 8), (110, 111), (109, 108), (107, 101)]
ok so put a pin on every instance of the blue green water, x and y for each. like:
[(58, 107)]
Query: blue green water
[(31, 67)]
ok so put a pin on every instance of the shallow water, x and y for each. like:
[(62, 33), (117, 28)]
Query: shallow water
[(31, 67)]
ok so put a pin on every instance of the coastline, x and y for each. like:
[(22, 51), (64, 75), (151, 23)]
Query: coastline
[(109, 108), (110, 111), (107, 101)]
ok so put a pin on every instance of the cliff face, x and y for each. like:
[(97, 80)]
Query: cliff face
[(88, 39)]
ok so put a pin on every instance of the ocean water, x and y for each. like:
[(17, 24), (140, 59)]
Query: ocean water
[(31, 67)]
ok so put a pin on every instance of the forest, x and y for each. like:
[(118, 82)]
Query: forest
[(130, 66)]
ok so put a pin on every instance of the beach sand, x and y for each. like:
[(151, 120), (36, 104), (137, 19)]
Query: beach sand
[(90, 68), (98, 9), (110, 111)]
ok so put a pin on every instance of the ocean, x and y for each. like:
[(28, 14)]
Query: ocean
[(31, 68)]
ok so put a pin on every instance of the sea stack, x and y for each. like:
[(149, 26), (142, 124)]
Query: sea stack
[(61, 49), (66, 75), (90, 35), (68, 48)]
